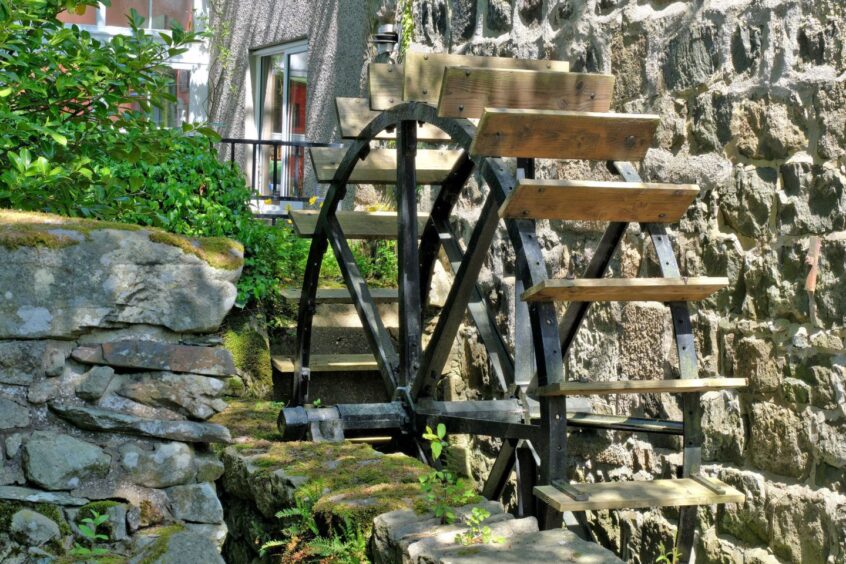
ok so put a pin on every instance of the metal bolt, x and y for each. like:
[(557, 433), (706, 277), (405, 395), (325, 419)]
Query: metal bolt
[(425, 57), (662, 215), (425, 91), (391, 100), (630, 141), (593, 95), (390, 69), (467, 73), (461, 107)]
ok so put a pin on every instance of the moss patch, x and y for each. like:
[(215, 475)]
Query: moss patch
[(32, 229), (348, 482), (218, 252), (244, 336), (53, 512), (250, 420), (159, 546)]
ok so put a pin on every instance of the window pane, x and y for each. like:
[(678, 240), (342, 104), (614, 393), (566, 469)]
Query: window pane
[(88, 16), (272, 112), (168, 12), (117, 12), (175, 113), (297, 85)]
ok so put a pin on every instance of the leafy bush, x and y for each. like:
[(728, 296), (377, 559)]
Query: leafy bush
[(78, 140)]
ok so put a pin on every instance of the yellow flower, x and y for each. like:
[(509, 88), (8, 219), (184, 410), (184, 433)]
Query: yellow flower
[(312, 200)]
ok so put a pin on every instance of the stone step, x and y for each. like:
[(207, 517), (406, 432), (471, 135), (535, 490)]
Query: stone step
[(341, 295), (329, 363), (410, 537)]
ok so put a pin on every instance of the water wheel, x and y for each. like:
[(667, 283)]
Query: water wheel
[(481, 110)]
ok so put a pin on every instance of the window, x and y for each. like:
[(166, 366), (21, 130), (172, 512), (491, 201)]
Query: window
[(281, 115), (157, 14), (176, 113)]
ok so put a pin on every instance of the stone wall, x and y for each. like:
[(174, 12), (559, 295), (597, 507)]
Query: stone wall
[(108, 373), (752, 97)]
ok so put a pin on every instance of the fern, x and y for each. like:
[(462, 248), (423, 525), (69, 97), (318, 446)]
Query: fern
[(270, 545)]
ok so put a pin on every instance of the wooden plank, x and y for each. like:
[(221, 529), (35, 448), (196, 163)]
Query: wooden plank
[(467, 91), (356, 225), (380, 165), (424, 72), (599, 201), (676, 386), (330, 363), (551, 134), (354, 114), (624, 289), (637, 494), (341, 295), (385, 85)]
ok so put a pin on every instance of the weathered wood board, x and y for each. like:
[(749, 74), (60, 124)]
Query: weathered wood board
[(551, 134), (467, 91), (599, 201)]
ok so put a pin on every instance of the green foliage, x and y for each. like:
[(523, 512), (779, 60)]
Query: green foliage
[(665, 556), (302, 539), (88, 529), (478, 533), (407, 26), (442, 489), (71, 105), (79, 140)]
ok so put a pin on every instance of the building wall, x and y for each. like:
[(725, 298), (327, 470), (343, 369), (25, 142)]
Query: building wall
[(752, 97), (337, 35)]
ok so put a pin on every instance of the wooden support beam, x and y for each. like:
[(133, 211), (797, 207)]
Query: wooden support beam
[(637, 494), (676, 386), (355, 113), (467, 91), (624, 289), (424, 72), (356, 224), (380, 165), (385, 82), (599, 201), (551, 134)]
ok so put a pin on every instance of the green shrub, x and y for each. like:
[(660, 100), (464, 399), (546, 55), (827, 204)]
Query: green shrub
[(78, 140)]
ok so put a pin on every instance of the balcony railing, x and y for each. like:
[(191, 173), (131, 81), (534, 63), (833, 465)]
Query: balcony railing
[(274, 170)]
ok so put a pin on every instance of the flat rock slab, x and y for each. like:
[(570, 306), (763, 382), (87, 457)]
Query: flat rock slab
[(93, 419), (16, 493), (150, 355), (545, 546)]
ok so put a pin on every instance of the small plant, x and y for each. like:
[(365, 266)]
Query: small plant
[(441, 488), (302, 541), (88, 530), (671, 556), (318, 403), (478, 533)]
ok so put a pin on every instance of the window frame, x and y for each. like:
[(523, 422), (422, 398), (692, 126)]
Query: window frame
[(259, 57)]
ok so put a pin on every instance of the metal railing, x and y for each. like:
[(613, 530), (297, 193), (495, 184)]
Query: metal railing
[(275, 169)]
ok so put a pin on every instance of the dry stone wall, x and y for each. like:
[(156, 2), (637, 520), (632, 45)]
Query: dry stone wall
[(752, 96), (108, 374)]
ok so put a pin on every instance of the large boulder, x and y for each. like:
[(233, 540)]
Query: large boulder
[(60, 462), (63, 276)]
